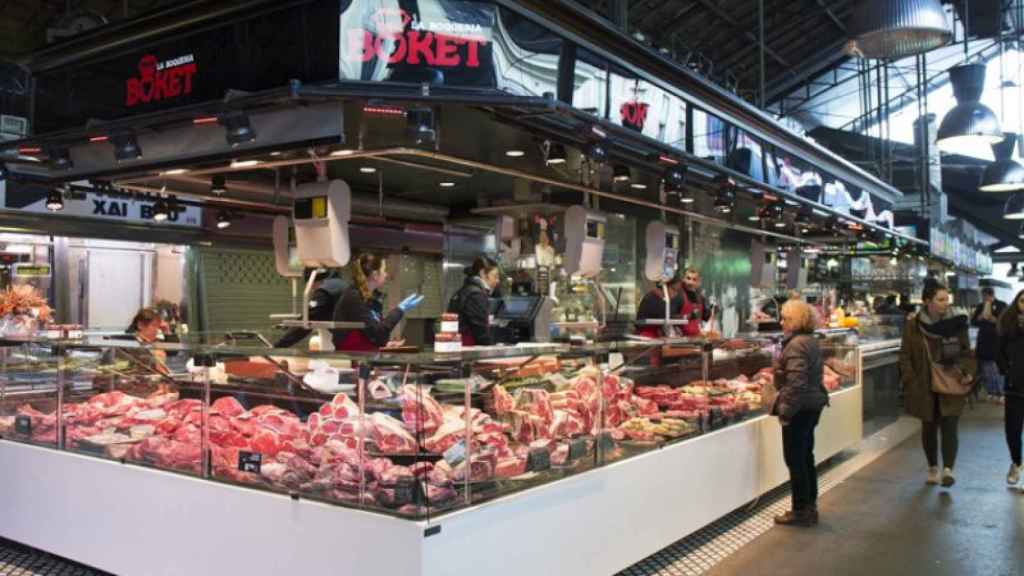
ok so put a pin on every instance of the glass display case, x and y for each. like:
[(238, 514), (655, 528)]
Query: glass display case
[(407, 434)]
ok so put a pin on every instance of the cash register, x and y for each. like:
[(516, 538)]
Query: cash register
[(523, 319)]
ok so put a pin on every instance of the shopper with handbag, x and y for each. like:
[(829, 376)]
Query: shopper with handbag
[(801, 398), (936, 372), (1010, 358)]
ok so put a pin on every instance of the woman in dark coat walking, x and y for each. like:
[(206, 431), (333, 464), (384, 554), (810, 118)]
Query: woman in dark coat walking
[(802, 396), (1010, 357), (923, 335)]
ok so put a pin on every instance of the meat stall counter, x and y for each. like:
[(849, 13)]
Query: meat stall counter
[(438, 455)]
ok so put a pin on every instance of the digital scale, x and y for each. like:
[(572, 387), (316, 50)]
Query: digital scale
[(316, 237)]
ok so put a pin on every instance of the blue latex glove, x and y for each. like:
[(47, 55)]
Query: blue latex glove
[(410, 302)]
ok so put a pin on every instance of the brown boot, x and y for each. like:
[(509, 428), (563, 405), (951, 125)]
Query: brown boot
[(802, 518)]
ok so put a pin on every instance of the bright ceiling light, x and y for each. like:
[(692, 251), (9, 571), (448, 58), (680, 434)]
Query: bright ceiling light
[(245, 163), (898, 28), (447, 184), (368, 170), (969, 123), (174, 172), (515, 153), (340, 153)]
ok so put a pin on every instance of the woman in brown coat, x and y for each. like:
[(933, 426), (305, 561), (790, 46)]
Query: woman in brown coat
[(937, 412)]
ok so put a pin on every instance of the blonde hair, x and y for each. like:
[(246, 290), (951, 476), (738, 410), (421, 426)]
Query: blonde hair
[(362, 268), (807, 318)]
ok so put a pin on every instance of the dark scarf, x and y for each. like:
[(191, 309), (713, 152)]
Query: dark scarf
[(949, 326)]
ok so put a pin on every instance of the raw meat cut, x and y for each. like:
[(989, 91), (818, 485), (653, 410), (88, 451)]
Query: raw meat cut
[(420, 412)]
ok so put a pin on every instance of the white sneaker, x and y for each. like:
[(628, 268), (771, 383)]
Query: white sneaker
[(1013, 476), (947, 477), (933, 475)]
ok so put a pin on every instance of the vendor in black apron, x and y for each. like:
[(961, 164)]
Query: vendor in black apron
[(652, 307), (472, 302), (693, 305), (361, 303)]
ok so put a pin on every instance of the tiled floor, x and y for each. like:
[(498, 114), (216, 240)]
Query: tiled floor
[(18, 560)]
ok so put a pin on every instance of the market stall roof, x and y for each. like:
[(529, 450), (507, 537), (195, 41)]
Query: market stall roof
[(477, 130)]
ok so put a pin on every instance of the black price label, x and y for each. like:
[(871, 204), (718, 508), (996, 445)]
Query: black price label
[(23, 425), (538, 460), (577, 448), (605, 441), (249, 461), (405, 491)]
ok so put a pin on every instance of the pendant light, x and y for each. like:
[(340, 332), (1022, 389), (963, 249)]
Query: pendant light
[(1014, 209), (55, 200), (898, 28), (969, 123), (1005, 174)]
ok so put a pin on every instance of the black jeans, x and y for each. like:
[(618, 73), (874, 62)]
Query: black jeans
[(1014, 425), (949, 426), (798, 450)]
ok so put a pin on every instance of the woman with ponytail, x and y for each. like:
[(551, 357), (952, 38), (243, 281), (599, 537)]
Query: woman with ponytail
[(360, 304)]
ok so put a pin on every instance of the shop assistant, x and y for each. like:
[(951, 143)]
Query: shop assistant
[(472, 302), (327, 292), (652, 306), (361, 303), (693, 306)]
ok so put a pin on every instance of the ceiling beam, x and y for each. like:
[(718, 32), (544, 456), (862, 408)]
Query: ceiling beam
[(832, 16), (721, 15)]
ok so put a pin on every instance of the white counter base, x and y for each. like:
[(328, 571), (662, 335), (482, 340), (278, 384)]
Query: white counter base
[(131, 521)]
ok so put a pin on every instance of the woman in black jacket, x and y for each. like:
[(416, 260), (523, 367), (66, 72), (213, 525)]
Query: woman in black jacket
[(360, 304), (472, 302), (1011, 363), (802, 396)]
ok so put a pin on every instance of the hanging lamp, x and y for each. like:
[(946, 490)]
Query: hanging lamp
[(1005, 174), (969, 123), (898, 28)]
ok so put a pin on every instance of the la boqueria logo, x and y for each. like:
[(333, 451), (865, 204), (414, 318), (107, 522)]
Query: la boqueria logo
[(400, 38), (161, 80)]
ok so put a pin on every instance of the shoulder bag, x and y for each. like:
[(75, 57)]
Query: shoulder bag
[(947, 378)]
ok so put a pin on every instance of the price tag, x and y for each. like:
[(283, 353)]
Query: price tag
[(23, 425), (577, 448), (538, 460), (405, 490), (605, 441), (249, 461), (456, 454)]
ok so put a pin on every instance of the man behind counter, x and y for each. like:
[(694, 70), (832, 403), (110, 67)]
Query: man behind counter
[(693, 305)]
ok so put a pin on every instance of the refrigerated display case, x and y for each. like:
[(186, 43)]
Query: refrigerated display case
[(244, 436)]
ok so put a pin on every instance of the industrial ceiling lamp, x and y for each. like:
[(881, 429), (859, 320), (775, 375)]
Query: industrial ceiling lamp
[(620, 173), (223, 220), (161, 210), (218, 185), (1005, 174), (55, 200), (898, 28), (969, 123), (238, 128), (126, 146), (60, 158), (725, 197), (421, 126), (1014, 209), (556, 154)]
